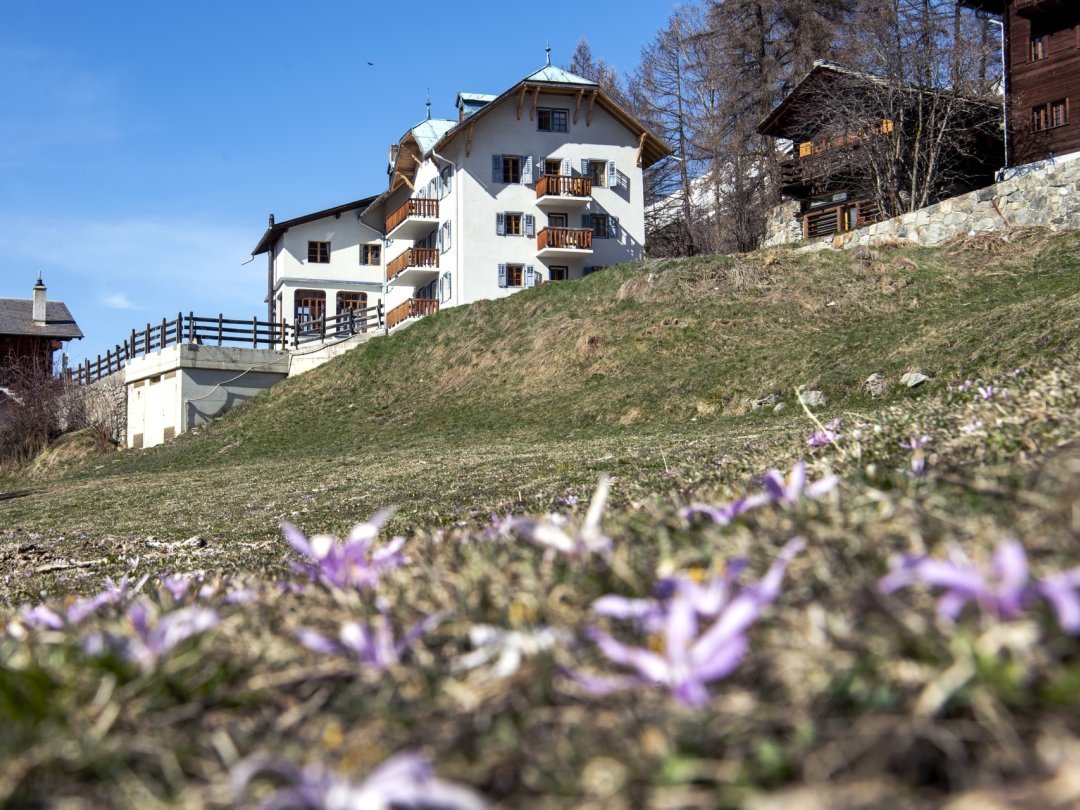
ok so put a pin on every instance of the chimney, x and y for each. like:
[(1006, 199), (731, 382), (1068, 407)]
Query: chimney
[(39, 303)]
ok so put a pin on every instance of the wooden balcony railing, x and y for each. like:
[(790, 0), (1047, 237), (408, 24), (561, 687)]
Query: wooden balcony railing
[(578, 238), (560, 185), (413, 308), (413, 257), (416, 207), (840, 218)]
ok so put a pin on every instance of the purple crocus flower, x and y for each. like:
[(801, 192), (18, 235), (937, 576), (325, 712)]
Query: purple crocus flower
[(406, 781), (1002, 589), (721, 515), (79, 610), (987, 391), (153, 639), (549, 532), (372, 645), (691, 660), (913, 443), (43, 617), (350, 563), (827, 435), (787, 492)]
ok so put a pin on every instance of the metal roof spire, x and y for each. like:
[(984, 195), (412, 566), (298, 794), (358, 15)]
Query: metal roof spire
[(548, 51), (429, 104)]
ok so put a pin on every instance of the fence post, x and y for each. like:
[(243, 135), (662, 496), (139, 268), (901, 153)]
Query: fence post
[(322, 326), (255, 332), (284, 335), (192, 333), (380, 313), (87, 367), (164, 326), (119, 358), (220, 318)]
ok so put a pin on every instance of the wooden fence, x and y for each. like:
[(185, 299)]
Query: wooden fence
[(222, 331)]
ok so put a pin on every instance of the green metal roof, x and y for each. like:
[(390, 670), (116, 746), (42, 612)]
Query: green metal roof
[(556, 75), (429, 132)]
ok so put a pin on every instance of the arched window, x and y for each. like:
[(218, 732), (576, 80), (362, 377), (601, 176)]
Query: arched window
[(310, 308)]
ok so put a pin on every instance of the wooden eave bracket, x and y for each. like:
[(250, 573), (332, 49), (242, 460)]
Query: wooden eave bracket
[(407, 181), (577, 106), (521, 102), (535, 96), (588, 115), (468, 142), (641, 147)]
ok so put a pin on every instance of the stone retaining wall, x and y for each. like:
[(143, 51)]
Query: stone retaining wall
[(1049, 197)]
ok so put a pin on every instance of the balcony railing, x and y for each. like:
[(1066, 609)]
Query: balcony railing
[(565, 238), (415, 207), (560, 185), (413, 308), (413, 257), (840, 218)]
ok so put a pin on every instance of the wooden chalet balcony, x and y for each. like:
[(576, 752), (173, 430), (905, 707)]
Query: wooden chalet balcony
[(559, 189), (413, 268), (564, 242), (847, 216), (1034, 8), (413, 219), (413, 308)]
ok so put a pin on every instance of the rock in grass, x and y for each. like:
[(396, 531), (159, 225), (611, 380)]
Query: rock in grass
[(913, 378), (874, 385), (814, 399), (764, 402)]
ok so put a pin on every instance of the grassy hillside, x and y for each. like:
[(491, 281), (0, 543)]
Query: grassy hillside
[(846, 697)]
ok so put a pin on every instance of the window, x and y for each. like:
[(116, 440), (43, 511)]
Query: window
[(318, 252), (356, 301), (309, 309), (1039, 47), (515, 224), (600, 226), (1048, 116), (557, 221), (597, 170), (370, 254), (1059, 113), (511, 169), (551, 120), (515, 275), (558, 273), (552, 168)]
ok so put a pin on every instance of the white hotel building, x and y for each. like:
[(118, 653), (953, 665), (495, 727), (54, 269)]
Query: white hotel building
[(541, 183)]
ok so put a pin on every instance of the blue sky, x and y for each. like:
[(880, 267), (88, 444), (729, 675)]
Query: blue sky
[(142, 144)]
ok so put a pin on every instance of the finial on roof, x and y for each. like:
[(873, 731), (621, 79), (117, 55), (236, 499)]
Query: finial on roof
[(548, 51), (40, 283), (429, 104)]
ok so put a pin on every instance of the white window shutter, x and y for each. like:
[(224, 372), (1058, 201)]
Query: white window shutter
[(585, 168), (502, 275), (526, 170), (496, 169), (612, 174), (440, 241), (449, 286), (530, 276), (530, 225), (539, 171), (613, 227), (500, 224), (567, 167)]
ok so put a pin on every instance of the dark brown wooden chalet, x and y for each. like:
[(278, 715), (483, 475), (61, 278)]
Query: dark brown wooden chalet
[(825, 172), (31, 329), (1042, 75)]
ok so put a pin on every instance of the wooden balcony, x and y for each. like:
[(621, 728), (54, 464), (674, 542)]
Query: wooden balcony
[(559, 189), (413, 308), (413, 268), (1036, 8), (840, 218), (413, 219), (564, 242)]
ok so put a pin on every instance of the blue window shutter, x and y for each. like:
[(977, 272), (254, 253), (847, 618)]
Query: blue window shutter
[(567, 169), (586, 221), (449, 179), (496, 169), (500, 224), (502, 275), (585, 167), (449, 286), (530, 225), (441, 241), (449, 234), (612, 174), (613, 227), (526, 169), (539, 170)]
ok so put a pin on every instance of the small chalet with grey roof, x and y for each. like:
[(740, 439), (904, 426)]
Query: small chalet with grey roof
[(31, 329)]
